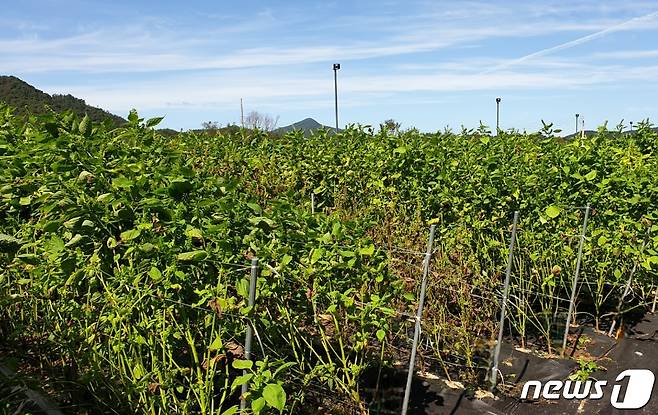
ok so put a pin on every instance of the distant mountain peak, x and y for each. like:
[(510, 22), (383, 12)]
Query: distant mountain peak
[(307, 125)]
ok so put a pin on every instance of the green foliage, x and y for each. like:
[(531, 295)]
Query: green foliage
[(585, 370), (119, 246), (112, 250)]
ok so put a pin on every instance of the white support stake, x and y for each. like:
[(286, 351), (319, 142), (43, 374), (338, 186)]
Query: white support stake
[(503, 306), (419, 315)]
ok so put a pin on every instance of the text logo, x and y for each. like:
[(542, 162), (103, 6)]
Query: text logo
[(637, 394)]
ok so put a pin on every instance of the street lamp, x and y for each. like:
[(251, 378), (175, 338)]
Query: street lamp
[(577, 115), (497, 115), (631, 127), (336, 68)]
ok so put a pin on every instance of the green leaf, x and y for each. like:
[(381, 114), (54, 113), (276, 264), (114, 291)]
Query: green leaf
[(85, 126), (231, 411), (242, 364), (282, 368), (55, 245), (133, 118), (72, 223), (193, 256), (179, 187), (25, 201), (275, 396), (255, 207), (368, 250), (380, 335), (104, 197), (591, 175), (261, 219), (553, 211), (85, 176), (155, 274), (122, 182), (316, 255), (30, 259), (241, 380), (152, 122), (257, 405), (194, 233), (148, 247), (242, 287), (216, 344), (52, 226), (285, 260), (130, 234), (138, 372), (74, 241)]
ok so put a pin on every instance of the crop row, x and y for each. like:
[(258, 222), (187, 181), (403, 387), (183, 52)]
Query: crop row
[(125, 254)]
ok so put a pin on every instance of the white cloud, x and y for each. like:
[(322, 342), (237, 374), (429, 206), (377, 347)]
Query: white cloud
[(635, 23), (289, 90), (126, 50), (199, 69), (625, 54)]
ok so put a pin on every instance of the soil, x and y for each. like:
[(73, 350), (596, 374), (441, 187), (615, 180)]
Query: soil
[(637, 349)]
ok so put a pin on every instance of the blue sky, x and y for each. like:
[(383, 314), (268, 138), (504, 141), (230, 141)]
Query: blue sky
[(427, 64)]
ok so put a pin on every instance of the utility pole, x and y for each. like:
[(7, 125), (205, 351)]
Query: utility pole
[(497, 115), (336, 68), (241, 114)]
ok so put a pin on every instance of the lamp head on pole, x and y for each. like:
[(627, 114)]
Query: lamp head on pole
[(498, 100), (336, 66)]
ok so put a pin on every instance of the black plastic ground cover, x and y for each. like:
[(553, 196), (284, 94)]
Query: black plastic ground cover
[(638, 349)]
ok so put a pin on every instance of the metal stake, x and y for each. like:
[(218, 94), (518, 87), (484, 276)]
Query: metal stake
[(250, 330), (419, 315), (575, 280), (503, 307)]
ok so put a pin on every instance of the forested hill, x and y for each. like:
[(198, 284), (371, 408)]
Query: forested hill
[(27, 99)]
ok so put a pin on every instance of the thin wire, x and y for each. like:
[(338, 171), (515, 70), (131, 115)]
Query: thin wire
[(313, 244), (574, 207), (195, 307), (442, 361), (514, 288)]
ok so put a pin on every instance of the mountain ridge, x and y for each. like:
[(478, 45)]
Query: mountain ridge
[(27, 99)]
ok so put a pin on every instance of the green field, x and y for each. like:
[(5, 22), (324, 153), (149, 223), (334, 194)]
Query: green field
[(125, 256)]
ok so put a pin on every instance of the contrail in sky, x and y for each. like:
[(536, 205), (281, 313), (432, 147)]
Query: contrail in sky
[(615, 28)]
